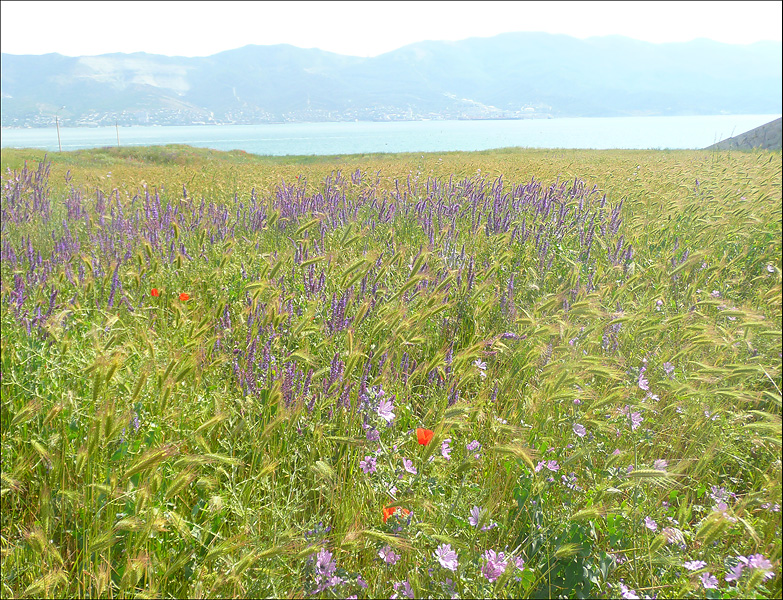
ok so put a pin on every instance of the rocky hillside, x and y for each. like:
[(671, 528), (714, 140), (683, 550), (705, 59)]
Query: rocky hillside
[(766, 137)]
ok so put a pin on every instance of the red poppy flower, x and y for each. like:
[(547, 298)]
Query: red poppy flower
[(388, 512), (155, 293), (425, 436), (184, 297)]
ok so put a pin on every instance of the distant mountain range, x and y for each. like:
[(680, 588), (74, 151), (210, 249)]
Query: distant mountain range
[(513, 75)]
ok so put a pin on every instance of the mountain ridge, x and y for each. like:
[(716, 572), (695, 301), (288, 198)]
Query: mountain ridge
[(512, 75)]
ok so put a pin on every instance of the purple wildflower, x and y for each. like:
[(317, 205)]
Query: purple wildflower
[(475, 513), (403, 588), (447, 557), (660, 464), (723, 508), (694, 565), (718, 493), (482, 366), (385, 409), (368, 464), (735, 572), (408, 465), (580, 430), (709, 581), (445, 449), (759, 561), (628, 593), (550, 464), (650, 524), (643, 383), (495, 566), (388, 555), (325, 567), (636, 417), (474, 445)]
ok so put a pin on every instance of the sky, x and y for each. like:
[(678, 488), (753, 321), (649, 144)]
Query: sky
[(362, 28)]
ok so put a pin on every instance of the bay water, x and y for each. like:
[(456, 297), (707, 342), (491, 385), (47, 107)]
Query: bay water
[(406, 136)]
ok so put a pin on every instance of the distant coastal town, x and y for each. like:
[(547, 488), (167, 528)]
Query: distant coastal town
[(196, 116)]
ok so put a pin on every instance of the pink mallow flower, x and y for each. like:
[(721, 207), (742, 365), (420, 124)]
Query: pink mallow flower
[(495, 566), (368, 465), (759, 561), (549, 464), (709, 581), (385, 409), (447, 557), (628, 593), (735, 572), (388, 555)]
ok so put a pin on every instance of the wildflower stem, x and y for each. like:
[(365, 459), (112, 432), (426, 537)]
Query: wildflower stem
[(454, 504)]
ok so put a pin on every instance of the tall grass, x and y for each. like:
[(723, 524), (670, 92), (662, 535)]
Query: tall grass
[(214, 367)]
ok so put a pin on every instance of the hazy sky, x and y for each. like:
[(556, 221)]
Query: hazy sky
[(359, 28)]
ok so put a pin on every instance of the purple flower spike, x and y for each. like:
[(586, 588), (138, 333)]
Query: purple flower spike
[(445, 449)]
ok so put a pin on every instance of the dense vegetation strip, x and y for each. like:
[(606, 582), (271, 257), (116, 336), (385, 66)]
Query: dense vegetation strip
[(500, 374)]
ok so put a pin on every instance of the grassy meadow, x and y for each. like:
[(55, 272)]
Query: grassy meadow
[(515, 373)]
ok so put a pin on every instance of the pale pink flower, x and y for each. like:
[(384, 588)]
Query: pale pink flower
[(709, 581), (447, 557)]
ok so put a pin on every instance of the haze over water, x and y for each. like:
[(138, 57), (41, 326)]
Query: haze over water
[(407, 136)]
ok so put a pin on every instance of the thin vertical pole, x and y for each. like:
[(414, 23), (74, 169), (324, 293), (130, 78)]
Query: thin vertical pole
[(57, 122)]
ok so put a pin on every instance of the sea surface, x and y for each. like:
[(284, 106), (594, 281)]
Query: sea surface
[(406, 136)]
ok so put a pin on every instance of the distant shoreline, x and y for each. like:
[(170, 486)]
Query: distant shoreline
[(358, 137), (346, 121)]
